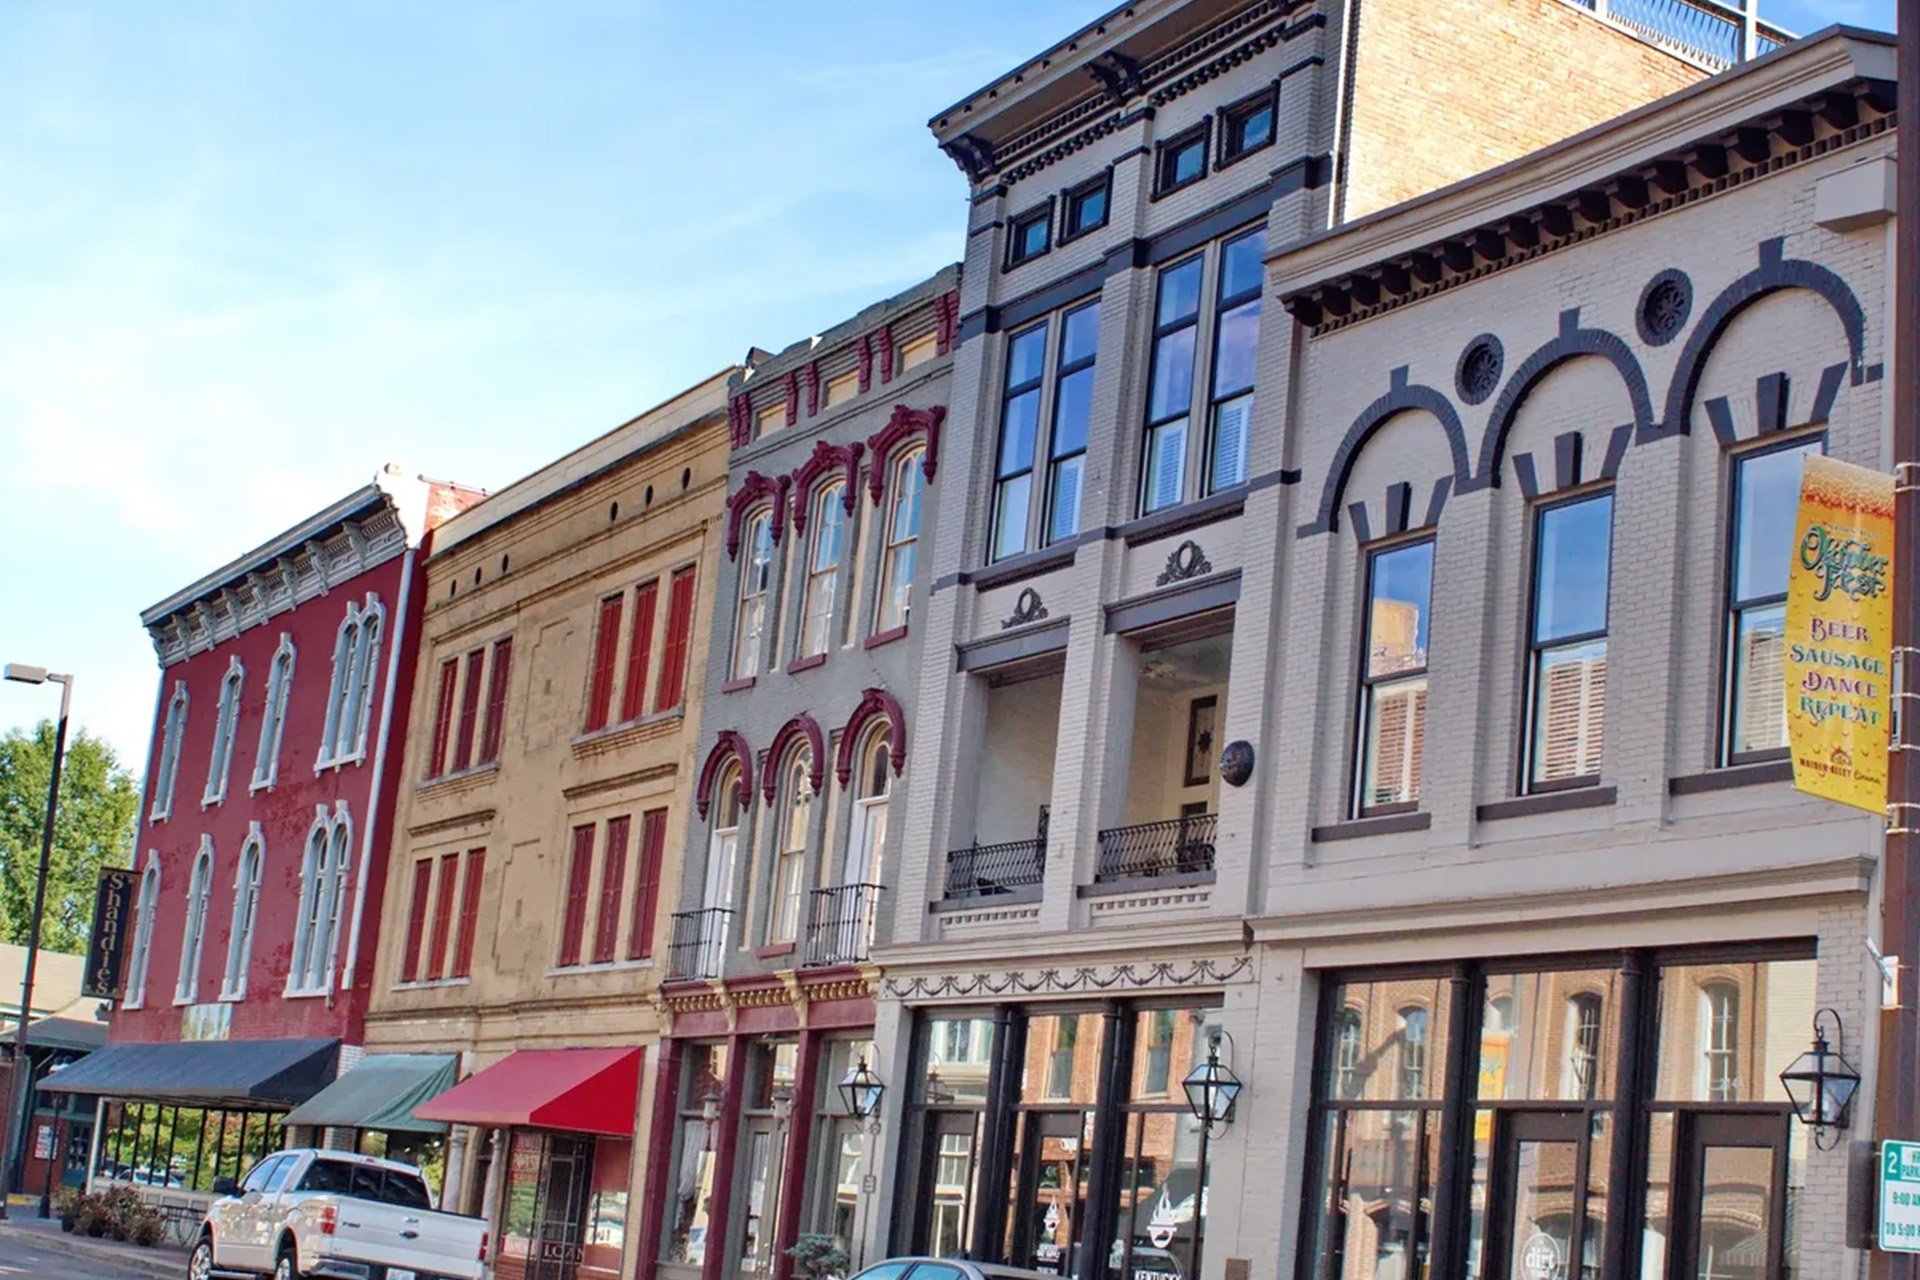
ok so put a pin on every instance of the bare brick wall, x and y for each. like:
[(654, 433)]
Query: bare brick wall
[(1446, 88)]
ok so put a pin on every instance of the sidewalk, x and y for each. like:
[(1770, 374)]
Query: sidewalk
[(161, 1261)]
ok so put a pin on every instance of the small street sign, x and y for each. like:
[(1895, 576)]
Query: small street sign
[(1900, 1197)]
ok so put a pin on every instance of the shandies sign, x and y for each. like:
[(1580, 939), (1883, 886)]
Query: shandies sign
[(1839, 633)]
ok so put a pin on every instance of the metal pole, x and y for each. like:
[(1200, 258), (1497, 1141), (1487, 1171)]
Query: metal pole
[(18, 1093), (1895, 1114)]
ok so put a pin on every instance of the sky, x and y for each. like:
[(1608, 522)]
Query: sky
[(251, 251)]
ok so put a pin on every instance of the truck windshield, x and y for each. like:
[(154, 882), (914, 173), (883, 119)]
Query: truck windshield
[(367, 1182)]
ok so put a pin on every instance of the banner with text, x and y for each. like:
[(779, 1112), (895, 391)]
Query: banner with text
[(105, 976), (1839, 633)]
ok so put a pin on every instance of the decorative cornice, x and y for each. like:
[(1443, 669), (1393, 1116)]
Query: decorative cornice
[(791, 384), (905, 422), (824, 458), (946, 321), (740, 420), (1203, 972), (801, 726), (886, 353), (873, 702), (812, 376), (863, 362)]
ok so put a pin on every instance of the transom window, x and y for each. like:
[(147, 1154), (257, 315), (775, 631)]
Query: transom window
[(1766, 495), (1393, 677), (1567, 676), (756, 578), (829, 526), (1018, 525)]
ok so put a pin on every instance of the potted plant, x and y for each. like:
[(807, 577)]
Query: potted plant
[(66, 1207), (91, 1217), (819, 1257), (143, 1227)]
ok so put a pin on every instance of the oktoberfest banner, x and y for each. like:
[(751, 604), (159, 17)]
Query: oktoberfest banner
[(1839, 633)]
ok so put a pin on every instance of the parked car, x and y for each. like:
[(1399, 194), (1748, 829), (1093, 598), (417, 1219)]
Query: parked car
[(947, 1269), (332, 1213)]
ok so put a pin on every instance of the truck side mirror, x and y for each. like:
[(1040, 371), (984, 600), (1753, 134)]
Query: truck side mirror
[(225, 1186)]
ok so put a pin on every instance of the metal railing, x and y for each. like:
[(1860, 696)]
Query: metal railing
[(990, 870), (1157, 849), (699, 946), (840, 930), (1713, 34)]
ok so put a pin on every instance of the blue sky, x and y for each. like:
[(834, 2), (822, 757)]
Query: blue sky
[(249, 252)]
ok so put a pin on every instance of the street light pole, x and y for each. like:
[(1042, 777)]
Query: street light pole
[(18, 1090)]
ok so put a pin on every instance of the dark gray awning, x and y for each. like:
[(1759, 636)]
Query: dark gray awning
[(252, 1074), (381, 1093)]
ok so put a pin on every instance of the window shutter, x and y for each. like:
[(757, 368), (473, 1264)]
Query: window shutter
[(469, 712), (497, 677), (469, 913), (442, 916), (646, 884), (633, 701), (673, 663), (578, 876), (416, 919), (606, 647), (613, 878), (1230, 442), (442, 717)]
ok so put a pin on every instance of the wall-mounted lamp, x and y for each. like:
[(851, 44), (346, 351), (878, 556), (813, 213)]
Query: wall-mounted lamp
[(1821, 1083), (1212, 1088), (938, 1094), (861, 1090)]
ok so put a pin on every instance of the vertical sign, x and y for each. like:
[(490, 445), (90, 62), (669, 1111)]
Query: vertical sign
[(1839, 633), (1900, 1197), (106, 973)]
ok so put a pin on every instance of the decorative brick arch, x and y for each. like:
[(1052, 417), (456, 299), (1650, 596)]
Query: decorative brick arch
[(801, 726), (873, 702), (1570, 343), (727, 745), (1401, 397), (752, 491), (904, 424), (824, 458)]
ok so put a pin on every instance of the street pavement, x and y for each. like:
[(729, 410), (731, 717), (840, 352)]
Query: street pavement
[(22, 1257)]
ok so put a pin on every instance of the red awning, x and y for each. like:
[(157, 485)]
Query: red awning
[(579, 1090)]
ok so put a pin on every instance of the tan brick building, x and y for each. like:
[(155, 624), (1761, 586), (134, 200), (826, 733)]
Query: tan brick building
[(546, 789)]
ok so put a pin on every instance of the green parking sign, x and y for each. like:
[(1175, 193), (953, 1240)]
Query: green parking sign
[(1900, 1197)]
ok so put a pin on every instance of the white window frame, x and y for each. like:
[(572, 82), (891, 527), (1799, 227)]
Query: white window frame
[(823, 580), (246, 911), (193, 937), (169, 766), (226, 726), (894, 608), (750, 641), (273, 719), (1719, 1040), (356, 670), (323, 889), (790, 858), (145, 906)]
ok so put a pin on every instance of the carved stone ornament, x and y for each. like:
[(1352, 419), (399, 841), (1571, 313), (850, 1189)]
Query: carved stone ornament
[(1187, 561), (1123, 977), (1236, 763), (1025, 609), (1478, 374), (1665, 305)]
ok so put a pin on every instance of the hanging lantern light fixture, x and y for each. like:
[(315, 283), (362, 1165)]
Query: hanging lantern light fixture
[(1821, 1083), (861, 1090), (1212, 1088)]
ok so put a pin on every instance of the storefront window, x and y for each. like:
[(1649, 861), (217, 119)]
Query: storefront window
[(1550, 1036), (1163, 1180), (186, 1148), (690, 1194), (1063, 1058), (839, 1146)]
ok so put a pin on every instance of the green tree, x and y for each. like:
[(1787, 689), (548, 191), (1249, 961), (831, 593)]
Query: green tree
[(99, 804)]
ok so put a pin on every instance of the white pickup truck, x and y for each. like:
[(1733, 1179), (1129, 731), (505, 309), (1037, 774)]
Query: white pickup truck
[(335, 1214)]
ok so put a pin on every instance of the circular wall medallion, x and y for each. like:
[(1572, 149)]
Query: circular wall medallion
[(1665, 305), (1236, 763), (1478, 372)]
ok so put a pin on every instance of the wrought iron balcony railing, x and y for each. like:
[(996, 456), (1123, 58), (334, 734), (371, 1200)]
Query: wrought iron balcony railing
[(1157, 849), (699, 946), (990, 870), (1714, 34), (840, 930)]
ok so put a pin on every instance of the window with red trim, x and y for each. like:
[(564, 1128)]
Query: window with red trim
[(498, 673), (579, 874), (469, 711), (606, 648), (613, 878), (646, 884), (442, 915), (633, 697), (673, 661), (443, 716), (462, 966), (416, 920)]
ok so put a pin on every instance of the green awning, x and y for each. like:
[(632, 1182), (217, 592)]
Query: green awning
[(381, 1093)]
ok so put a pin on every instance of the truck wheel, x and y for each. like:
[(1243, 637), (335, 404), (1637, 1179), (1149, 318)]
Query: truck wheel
[(200, 1264), (288, 1267)]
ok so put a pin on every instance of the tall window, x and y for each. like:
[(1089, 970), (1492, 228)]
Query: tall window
[(226, 724), (646, 884), (199, 892), (246, 908), (573, 920), (469, 711), (1413, 1053), (147, 905), (867, 841), (1347, 1055), (1393, 677), (903, 538), (1766, 494), (417, 920), (1170, 394), (613, 883), (783, 923), (169, 769), (1236, 341), (1567, 680), (1159, 1065), (673, 652), (273, 719), (1072, 411), (1720, 1042), (633, 696), (1581, 1077), (499, 672), (823, 569), (606, 651), (1019, 426), (1066, 1040), (443, 889), (443, 716), (756, 578), (471, 880), (322, 891), (356, 666)]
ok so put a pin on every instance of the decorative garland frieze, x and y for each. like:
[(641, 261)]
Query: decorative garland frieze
[(1117, 977)]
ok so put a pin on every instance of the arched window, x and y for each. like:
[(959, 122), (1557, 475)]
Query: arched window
[(829, 528), (1719, 1042), (246, 907), (1346, 1055), (273, 719), (199, 889), (756, 577), (323, 889), (226, 721), (902, 538), (873, 786), (356, 665), (144, 908), (716, 895), (1580, 1077), (1413, 1053), (176, 726), (783, 923)]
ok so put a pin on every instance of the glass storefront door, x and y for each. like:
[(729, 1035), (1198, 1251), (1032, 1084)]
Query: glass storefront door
[(763, 1143), (1050, 1196), (1539, 1227), (549, 1183), (1730, 1196)]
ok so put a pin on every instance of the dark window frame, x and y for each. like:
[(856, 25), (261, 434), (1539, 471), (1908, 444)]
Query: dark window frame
[(1237, 111), (1037, 215), (1062, 370), (1201, 133), (1530, 677), (1160, 333), (1365, 682), (1009, 392), (1072, 196), (1224, 303)]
